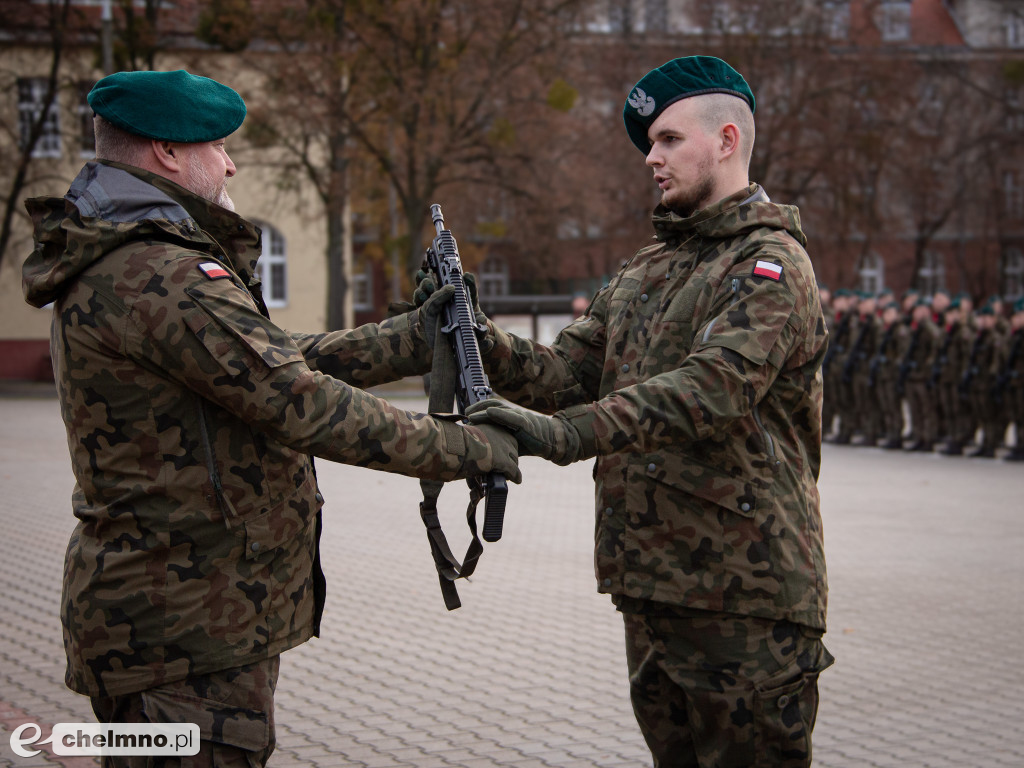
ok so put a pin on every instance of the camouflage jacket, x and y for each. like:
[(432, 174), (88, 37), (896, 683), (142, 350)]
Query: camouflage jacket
[(922, 345), (699, 369), (190, 420)]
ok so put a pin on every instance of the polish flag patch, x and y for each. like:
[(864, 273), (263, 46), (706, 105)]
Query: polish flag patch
[(767, 269), (213, 270)]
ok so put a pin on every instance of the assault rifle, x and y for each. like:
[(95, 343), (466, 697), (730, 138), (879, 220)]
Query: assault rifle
[(461, 328)]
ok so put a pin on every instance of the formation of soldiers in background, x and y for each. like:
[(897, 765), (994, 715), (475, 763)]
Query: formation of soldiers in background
[(925, 373)]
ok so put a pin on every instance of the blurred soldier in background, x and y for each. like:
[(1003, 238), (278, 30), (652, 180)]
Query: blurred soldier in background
[(884, 374), (947, 371), (1008, 393), (915, 376)]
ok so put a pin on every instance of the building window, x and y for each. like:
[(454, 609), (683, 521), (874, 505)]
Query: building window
[(31, 94), (87, 135), (872, 273), (656, 15), (894, 20), (620, 15), (837, 19), (362, 286), (1013, 273), (1013, 194), (493, 277), (932, 275), (1014, 109), (273, 267), (1015, 30)]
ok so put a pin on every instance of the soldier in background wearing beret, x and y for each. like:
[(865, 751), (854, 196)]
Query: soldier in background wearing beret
[(694, 379), (191, 422)]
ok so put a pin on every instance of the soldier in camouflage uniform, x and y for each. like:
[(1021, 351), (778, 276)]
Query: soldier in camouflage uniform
[(914, 381), (695, 380), (978, 381), (947, 370), (191, 419), (1008, 391), (838, 388), (865, 411), (884, 373)]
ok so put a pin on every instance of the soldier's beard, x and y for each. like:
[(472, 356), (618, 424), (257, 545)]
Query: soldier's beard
[(685, 203), (202, 183)]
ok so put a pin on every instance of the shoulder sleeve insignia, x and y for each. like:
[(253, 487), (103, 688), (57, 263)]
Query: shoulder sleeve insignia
[(213, 270), (767, 269)]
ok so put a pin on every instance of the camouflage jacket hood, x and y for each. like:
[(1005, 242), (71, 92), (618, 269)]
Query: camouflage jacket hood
[(697, 373), (110, 205), (191, 419)]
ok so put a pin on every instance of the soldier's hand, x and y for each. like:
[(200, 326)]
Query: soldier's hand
[(551, 437), (504, 451), (430, 312), (425, 289)]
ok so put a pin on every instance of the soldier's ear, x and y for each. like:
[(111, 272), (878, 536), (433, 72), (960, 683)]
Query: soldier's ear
[(168, 156)]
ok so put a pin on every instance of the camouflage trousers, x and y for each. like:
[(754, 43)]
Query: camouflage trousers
[(234, 709), (715, 690)]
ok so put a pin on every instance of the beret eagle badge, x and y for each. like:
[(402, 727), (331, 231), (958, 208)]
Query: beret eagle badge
[(641, 102)]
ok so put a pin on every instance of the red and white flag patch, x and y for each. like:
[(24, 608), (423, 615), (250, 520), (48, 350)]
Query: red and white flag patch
[(213, 270), (767, 269)]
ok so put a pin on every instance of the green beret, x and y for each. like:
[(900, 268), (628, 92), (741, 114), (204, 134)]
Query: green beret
[(892, 305), (923, 302), (675, 80), (1018, 305), (168, 106), (986, 310), (843, 292)]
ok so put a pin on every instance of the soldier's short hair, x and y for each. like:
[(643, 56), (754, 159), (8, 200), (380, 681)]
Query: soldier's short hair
[(113, 143)]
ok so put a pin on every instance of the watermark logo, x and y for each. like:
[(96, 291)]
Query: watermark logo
[(180, 739)]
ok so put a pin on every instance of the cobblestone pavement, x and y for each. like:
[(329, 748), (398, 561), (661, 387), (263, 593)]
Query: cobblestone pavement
[(926, 619)]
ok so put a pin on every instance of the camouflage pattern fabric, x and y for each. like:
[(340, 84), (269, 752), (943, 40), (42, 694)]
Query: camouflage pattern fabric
[(992, 419), (922, 346), (190, 420), (702, 386), (955, 422), (234, 709), (887, 362), (724, 691)]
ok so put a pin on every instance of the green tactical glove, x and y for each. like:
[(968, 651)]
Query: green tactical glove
[(425, 289), (555, 438), (504, 453), (430, 311)]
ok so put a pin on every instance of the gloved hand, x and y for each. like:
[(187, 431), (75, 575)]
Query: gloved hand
[(425, 289), (431, 310), (554, 438), (504, 452)]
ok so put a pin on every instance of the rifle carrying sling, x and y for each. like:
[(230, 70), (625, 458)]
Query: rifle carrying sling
[(442, 397)]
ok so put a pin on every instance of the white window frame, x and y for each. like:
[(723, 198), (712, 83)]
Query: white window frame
[(31, 91), (1013, 272), (894, 20), (362, 288), (872, 273), (1013, 194), (837, 19), (932, 275), (492, 278), (275, 254), (1014, 26)]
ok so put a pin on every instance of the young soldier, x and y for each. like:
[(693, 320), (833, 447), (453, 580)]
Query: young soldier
[(695, 380)]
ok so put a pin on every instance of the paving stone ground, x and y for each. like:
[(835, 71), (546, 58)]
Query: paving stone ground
[(926, 567)]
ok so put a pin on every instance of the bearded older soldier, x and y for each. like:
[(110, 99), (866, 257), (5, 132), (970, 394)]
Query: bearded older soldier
[(191, 419), (695, 380)]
